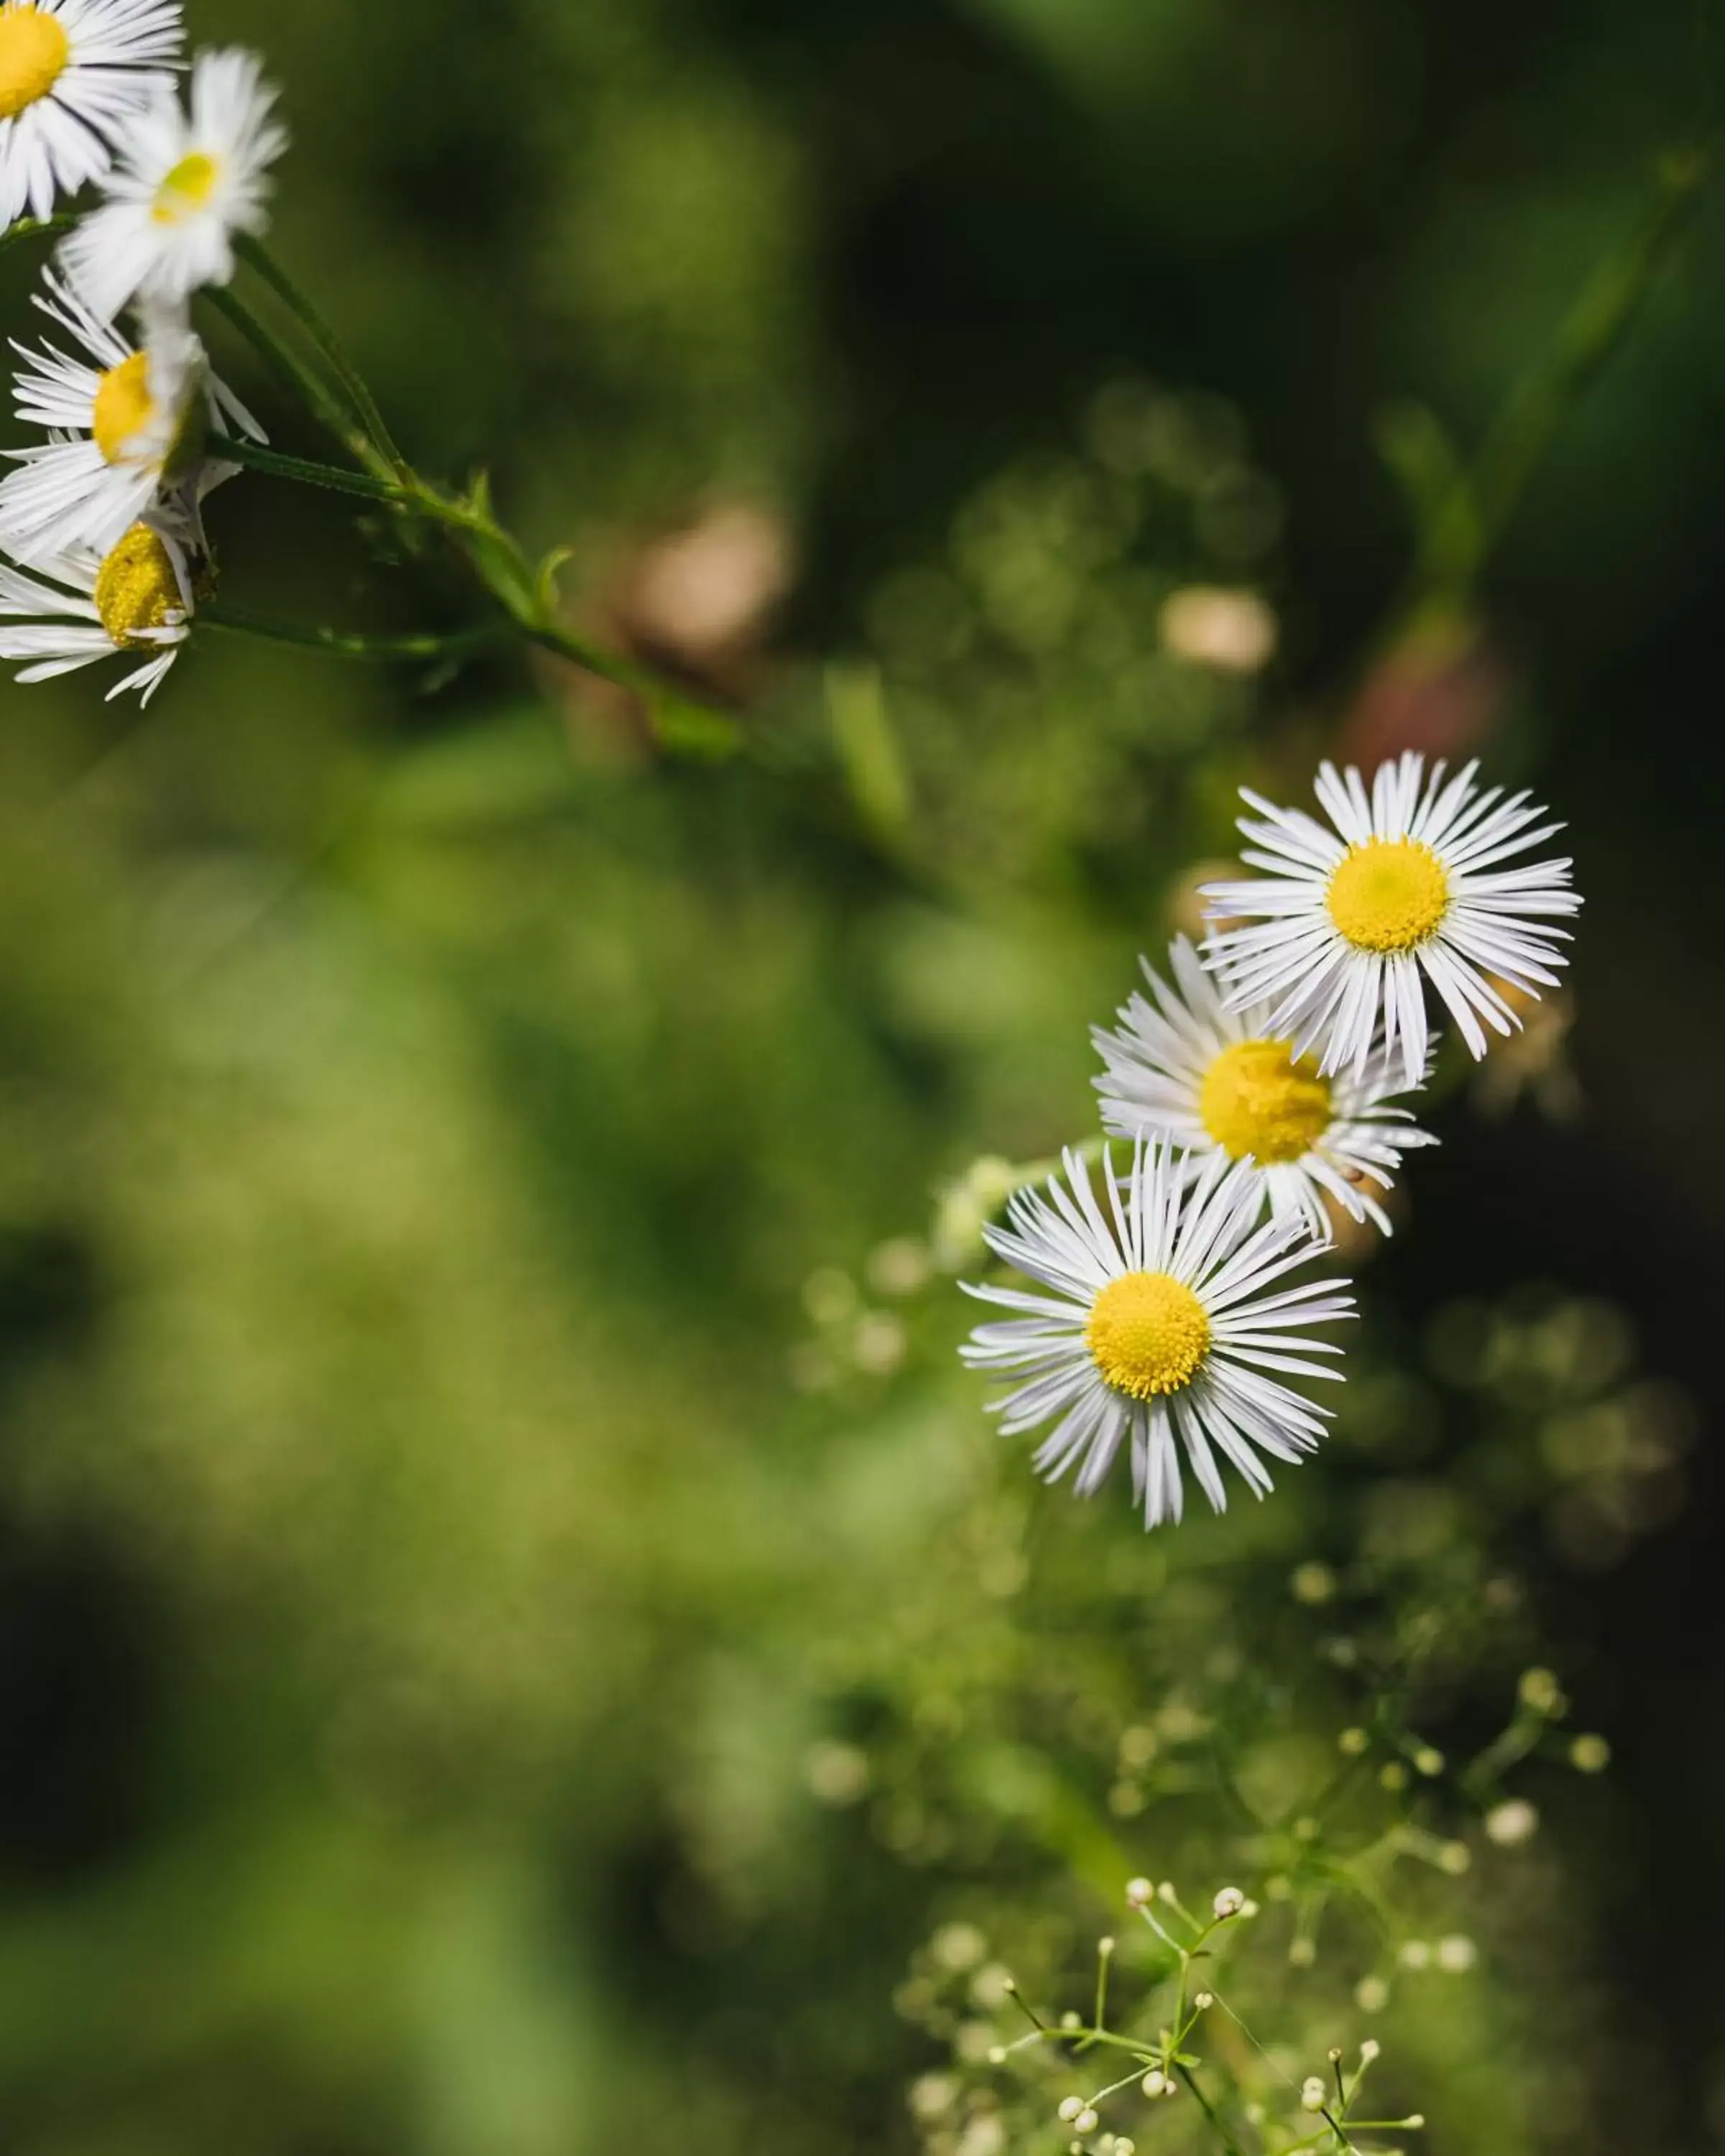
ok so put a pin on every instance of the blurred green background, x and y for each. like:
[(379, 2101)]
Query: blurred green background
[(484, 1484)]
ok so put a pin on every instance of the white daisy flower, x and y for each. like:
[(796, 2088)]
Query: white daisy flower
[(75, 75), (124, 422), (86, 607), (183, 185), (1158, 1324), (1188, 1069), (1409, 886)]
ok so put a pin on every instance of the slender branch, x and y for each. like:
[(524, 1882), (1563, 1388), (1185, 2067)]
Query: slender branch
[(1476, 506), (456, 644), (317, 328), (678, 722), (233, 449), (300, 382), (37, 227), (1223, 2135)]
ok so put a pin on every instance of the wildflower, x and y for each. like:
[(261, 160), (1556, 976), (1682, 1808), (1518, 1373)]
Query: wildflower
[(1228, 1904), (127, 421), (1315, 2095), (1409, 883), (1140, 1891), (75, 75), (85, 607), (1192, 1070), (182, 188), (1160, 1325)]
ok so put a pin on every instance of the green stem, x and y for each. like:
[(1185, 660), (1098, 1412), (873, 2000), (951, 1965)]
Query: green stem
[(1223, 2135), (254, 457), (317, 328), (300, 382), (456, 644), (1471, 519), (36, 227)]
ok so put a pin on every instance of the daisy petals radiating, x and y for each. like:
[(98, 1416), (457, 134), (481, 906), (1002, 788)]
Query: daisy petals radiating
[(1417, 885), (1181, 1066), (1160, 1325)]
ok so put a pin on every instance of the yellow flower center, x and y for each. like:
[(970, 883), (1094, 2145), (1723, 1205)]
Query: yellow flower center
[(1258, 1098), (1147, 1335), (1389, 895), (188, 187), (33, 52), (124, 406), (136, 589)]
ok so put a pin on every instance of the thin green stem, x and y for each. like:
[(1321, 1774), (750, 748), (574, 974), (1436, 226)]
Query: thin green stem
[(1229, 2144), (36, 227), (316, 327), (300, 382), (255, 457), (1474, 509), (1105, 1954), (432, 644)]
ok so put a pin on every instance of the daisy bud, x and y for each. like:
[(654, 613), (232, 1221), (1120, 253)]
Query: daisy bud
[(1140, 1891), (1205, 2001), (1086, 2122), (1314, 2095), (1228, 1904), (1456, 1954), (1369, 2050), (1070, 2107), (1154, 2084)]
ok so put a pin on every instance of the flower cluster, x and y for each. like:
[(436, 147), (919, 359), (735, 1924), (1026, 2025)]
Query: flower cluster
[(102, 519), (1259, 1089)]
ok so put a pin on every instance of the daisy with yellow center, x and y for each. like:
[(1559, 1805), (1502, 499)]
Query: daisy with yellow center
[(75, 75), (1156, 1325), (1409, 887), (184, 184), (84, 607), (1180, 1065), (124, 424)]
